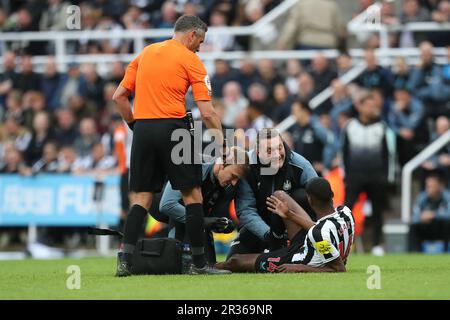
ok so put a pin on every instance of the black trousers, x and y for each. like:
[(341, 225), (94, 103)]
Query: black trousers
[(247, 242), (375, 187), (434, 230)]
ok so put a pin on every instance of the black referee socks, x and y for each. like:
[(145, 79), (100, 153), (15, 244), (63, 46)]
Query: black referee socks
[(195, 232), (133, 227)]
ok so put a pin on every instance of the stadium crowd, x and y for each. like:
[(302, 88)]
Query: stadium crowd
[(54, 122)]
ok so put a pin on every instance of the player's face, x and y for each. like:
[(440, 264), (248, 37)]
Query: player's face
[(433, 187), (196, 39), (271, 151)]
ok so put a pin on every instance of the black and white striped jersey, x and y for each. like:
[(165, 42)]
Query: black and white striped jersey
[(331, 237)]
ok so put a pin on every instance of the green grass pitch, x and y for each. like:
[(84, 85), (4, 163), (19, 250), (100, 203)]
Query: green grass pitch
[(402, 277)]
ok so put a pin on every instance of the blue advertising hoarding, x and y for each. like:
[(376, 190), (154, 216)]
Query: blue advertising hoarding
[(57, 200)]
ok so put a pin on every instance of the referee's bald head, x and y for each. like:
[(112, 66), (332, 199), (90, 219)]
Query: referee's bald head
[(187, 23)]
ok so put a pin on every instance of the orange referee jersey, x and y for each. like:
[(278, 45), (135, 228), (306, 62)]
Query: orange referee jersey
[(160, 77)]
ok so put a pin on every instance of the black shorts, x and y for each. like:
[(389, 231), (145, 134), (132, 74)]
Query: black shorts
[(151, 160), (268, 262)]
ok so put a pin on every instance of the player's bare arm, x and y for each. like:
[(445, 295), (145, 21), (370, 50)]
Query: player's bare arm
[(120, 97), (282, 204), (337, 265)]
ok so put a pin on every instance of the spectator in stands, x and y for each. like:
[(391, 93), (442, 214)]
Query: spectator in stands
[(168, 17), (241, 122), (42, 133), (253, 11), (311, 139), (382, 103), (218, 42), (135, 19), (67, 160), (343, 63), (291, 73), (72, 84), (33, 102), (247, 74), (431, 214), (321, 72), (92, 88), (27, 79), (268, 75), (14, 106), (440, 15), (341, 103), (258, 92), (444, 88), (222, 74), (87, 139), (366, 156), (81, 109), (54, 18), (2, 19), (48, 163), (12, 131), (89, 19), (233, 101), (114, 45), (400, 73), (412, 12), (430, 5), (9, 76), (282, 103), (66, 127), (304, 30), (229, 8), (405, 118), (388, 16), (116, 72), (441, 160), (375, 76), (425, 81), (111, 8), (52, 83), (98, 162), (257, 120), (306, 87), (13, 161), (104, 117), (22, 21)]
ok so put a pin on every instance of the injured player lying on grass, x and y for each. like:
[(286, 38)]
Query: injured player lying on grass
[(321, 246)]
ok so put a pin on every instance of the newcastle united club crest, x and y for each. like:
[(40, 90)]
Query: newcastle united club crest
[(287, 185)]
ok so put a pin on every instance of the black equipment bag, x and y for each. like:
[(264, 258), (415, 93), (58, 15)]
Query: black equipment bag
[(157, 256)]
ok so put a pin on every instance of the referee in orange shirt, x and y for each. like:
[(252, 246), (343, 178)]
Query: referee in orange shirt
[(160, 77)]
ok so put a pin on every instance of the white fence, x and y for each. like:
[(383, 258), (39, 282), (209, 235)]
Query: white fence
[(411, 166)]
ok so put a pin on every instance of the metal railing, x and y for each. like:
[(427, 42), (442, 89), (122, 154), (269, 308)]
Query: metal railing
[(370, 20), (137, 36), (408, 169)]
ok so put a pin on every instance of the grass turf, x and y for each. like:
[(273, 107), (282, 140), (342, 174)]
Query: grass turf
[(402, 277)]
